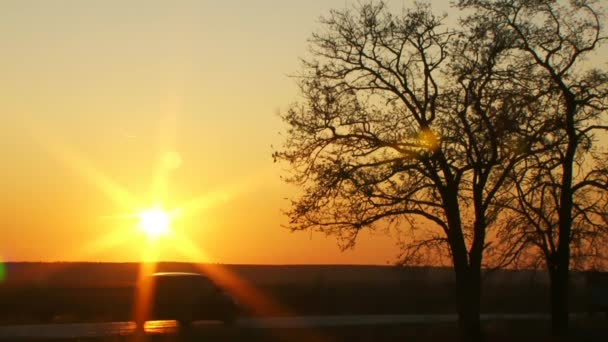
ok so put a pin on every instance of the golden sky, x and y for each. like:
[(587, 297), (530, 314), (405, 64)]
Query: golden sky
[(102, 99), (110, 107)]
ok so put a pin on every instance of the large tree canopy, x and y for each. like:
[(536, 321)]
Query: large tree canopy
[(399, 114), (453, 134), (405, 121), (560, 199)]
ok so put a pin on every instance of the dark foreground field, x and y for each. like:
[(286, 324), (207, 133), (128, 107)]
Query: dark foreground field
[(90, 292), (64, 293), (592, 330), (499, 331)]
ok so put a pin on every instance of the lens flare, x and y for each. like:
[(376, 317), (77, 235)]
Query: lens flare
[(155, 222), (2, 272), (428, 139), (172, 160)]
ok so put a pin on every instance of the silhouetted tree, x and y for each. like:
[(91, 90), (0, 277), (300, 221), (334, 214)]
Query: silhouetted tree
[(409, 124), (561, 193)]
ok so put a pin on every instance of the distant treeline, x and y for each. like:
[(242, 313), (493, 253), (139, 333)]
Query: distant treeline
[(125, 274)]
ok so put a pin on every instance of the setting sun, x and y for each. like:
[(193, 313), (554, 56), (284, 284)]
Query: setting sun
[(154, 222)]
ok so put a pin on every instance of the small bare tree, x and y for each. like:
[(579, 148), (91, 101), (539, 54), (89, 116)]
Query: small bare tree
[(560, 194), (408, 124)]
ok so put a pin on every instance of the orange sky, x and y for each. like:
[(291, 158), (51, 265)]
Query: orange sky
[(102, 99), (108, 107)]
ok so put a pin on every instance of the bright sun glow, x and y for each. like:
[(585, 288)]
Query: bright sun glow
[(154, 222)]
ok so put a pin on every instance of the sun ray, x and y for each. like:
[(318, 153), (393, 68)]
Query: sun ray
[(204, 202), (143, 292), (169, 159), (112, 239), (247, 294), (82, 166), (155, 221), (253, 300), (225, 193), (160, 184)]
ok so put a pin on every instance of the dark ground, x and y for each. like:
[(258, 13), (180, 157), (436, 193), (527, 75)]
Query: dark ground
[(94, 292), (591, 330)]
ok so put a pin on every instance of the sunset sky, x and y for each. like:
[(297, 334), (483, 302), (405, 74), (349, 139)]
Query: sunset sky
[(108, 108), (102, 97)]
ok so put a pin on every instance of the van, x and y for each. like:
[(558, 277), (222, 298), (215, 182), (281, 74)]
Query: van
[(187, 297)]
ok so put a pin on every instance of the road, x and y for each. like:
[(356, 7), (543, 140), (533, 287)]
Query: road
[(103, 330)]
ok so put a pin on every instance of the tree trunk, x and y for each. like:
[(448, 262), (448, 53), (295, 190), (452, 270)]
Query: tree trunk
[(468, 294), (560, 270), (468, 280), (559, 303)]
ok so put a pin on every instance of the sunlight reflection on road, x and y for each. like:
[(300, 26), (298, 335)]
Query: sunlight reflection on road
[(84, 330), (161, 327)]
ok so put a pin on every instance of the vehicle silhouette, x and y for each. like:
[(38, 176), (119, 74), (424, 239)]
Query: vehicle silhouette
[(187, 297)]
